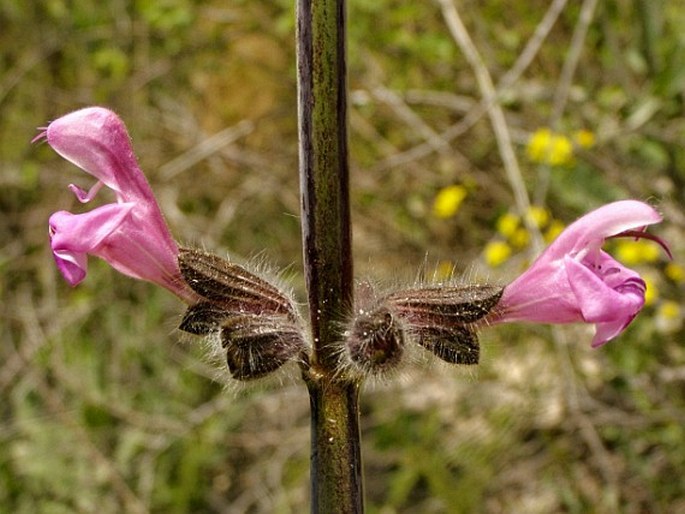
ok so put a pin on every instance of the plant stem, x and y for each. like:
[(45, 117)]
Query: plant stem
[(324, 183)]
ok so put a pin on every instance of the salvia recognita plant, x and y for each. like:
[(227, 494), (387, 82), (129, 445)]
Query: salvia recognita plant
[(257, 324)]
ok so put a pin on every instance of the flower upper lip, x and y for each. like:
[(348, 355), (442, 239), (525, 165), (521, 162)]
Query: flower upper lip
[(96, 141), (608, 221)]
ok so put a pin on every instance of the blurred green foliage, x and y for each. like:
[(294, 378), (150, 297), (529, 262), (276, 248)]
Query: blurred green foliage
[(107, 409)]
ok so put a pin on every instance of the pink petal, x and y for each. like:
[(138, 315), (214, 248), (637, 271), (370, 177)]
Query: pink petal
[(605, 332), (96, 140), (72, 265), (130, 235), (598, 302), (589, 232), (574, 280), (542, 294), (83, 233)]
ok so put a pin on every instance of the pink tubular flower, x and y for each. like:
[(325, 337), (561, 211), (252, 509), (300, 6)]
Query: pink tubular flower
[(575, 281), (131, 234)]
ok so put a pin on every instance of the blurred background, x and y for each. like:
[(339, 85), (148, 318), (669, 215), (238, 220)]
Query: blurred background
[(106, 408)]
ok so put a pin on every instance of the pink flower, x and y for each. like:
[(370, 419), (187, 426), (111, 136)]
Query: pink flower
[(574, 280), (131, 234)]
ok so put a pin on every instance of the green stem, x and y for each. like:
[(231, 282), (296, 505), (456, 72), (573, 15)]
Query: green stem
[(647, 14), (324, 181), (336, 474)]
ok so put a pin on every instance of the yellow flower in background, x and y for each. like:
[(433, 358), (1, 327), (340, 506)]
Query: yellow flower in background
[(670, 309), (652, 292), (649, 252), (628, 253), (507, 224), (538, 215), (547, 147), (538, 144), (520, 238), (555, 228), (637, 252), (584, 138), (675, 272), (448, 201), (496, 253), (669, 317)]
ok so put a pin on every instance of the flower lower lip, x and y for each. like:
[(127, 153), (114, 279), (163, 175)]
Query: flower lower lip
[(634, 284)]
